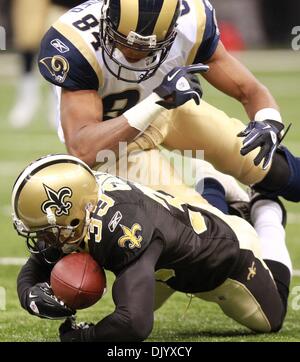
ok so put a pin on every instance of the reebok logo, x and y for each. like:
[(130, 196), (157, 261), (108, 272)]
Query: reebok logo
[(59, 45), (114, 221)]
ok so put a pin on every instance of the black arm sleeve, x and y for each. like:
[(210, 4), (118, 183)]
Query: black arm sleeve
[(133, 294), (34, 271)]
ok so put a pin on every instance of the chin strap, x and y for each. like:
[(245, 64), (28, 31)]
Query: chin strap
[(50, 216)]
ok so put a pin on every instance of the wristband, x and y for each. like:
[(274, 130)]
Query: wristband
[(144, 113), (268, 113)]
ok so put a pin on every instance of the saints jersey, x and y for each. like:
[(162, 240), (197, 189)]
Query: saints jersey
[(71, 54), (199, 249)]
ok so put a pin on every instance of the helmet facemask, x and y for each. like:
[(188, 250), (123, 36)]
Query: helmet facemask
[(64, 238), (155, 51)]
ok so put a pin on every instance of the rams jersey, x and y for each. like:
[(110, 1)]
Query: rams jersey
[(199, 249), (71, 55)]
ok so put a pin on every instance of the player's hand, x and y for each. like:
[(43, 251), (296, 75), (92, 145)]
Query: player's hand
[(181, 85), (70, 331), (266, 135), (43, 303)]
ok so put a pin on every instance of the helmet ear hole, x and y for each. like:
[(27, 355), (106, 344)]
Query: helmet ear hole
[(75, 222)]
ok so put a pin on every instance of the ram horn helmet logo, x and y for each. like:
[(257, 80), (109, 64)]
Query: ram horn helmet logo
[(56, 200)]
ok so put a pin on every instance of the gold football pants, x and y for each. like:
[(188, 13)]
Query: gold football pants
[(204, 127), (188, 128)]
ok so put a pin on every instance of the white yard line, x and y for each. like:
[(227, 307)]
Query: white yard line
[(12, 261), (293, 218), (11, 168), (22, 261), (270, 60), (5, 210)]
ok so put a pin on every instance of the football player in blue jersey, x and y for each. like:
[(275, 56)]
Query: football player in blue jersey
[(127, 71), (154, 243)]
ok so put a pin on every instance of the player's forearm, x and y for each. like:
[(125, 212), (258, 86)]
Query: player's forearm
[(96, 137), (232, 78), (256, 98), (133, 294), (117, 327)]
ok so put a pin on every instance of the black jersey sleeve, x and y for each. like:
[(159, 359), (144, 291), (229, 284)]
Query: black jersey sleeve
[(61, 63), (34, 271), (133, 295), (126, 233), (211, 35)]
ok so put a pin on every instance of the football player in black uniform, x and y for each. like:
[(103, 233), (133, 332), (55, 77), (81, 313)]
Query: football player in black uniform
[(143, 237)]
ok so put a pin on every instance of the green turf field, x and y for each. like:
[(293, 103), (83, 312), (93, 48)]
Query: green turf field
[(202, 321)]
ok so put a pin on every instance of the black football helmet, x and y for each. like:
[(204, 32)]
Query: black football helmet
[(147, 26)]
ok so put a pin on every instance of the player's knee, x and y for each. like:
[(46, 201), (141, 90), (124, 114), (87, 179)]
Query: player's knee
[(277, 323), (267, 321), (269, 328), (271, 325)]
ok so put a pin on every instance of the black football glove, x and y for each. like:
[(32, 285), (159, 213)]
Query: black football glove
[(266, 135), (70, 331), (43, 303), (181, 85)]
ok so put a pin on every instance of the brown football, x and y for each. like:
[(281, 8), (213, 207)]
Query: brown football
[(78, 280)]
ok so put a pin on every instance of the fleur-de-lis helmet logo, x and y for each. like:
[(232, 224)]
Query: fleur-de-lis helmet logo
[(56, 200)]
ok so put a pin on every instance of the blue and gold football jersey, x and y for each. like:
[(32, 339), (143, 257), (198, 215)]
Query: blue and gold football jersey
[(71, 54)]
